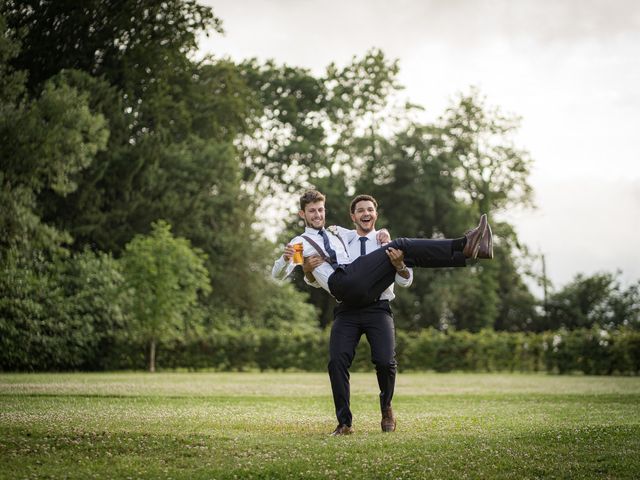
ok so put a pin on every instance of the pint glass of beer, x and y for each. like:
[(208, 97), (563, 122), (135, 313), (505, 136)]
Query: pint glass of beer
[(297, 254)]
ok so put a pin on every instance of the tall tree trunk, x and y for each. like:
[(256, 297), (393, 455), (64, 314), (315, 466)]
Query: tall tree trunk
[(152, 356)]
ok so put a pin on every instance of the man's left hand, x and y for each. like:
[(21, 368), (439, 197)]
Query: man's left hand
[(311, 262), (396, 257)]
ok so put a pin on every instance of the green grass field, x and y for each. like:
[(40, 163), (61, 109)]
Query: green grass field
[(276, 425)]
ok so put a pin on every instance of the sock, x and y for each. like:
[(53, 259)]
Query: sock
[(457, 244)]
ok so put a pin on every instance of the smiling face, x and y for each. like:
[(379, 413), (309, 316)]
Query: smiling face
[(313, 215), (364, 216)]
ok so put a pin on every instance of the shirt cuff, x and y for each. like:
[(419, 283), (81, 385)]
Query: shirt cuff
[(281, 269), (314, 284), (404, 282)]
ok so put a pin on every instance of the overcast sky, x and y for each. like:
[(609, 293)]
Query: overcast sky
[(570, 69)]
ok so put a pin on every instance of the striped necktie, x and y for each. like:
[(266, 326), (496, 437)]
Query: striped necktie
[(327, 246)]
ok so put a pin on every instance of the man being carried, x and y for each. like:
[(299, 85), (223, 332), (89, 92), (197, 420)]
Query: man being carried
[(361, 281)]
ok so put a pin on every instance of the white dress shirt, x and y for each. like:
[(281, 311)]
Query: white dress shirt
[(282, 269)]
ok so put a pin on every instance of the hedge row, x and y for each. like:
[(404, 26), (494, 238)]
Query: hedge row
[(589, 351)]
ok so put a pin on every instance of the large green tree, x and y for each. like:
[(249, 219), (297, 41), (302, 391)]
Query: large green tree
[(46, 140), (173, 123), (165, 275), (155, 100)]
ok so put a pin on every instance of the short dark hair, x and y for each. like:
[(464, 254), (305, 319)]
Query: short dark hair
[(361, 198), (311, 196)]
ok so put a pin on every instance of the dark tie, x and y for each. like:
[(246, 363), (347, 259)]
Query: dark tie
[(363, 247), (327, 246)]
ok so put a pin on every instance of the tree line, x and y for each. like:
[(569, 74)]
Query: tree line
[(135, 179)]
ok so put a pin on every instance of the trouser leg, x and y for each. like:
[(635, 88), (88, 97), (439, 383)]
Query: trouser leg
[(362, 282), (428, 253), (345, 335), (379, 329)]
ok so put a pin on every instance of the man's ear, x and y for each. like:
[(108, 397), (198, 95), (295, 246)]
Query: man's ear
[(301, 213), (353, 218)]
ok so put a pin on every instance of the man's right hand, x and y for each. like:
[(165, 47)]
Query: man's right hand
[(288, 252), (311, 262), (383, 237)]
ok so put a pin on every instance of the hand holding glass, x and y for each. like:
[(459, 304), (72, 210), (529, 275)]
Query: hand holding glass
[(297, 254)]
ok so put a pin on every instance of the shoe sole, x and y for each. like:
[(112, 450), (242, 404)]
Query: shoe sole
[(476, 248), (490, 252)]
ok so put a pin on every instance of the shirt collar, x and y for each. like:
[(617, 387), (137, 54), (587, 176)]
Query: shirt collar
[(311, 231), (371, 235)]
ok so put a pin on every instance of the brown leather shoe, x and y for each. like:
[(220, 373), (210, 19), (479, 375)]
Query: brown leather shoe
[(486, 245), (342, 430), (388, 422), (474, 237)]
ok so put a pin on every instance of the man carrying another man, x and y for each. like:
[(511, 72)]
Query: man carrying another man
[(350, 266)]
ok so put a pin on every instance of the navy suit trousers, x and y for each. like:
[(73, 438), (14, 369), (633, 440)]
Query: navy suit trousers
[(375, 321), (362, 282)]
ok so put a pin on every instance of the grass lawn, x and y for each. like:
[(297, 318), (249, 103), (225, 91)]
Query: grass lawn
[(276, 425)]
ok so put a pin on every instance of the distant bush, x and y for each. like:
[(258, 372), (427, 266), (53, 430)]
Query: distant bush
[(593, 352), (59, 315)]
